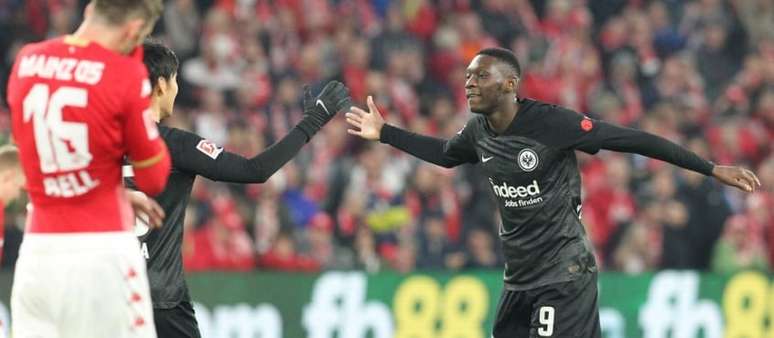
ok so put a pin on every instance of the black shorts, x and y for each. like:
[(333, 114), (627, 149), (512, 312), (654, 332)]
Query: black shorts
[(177, 322), (561, 310)]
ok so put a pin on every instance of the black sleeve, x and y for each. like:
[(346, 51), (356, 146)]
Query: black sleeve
[(193, 154), (445, 153), (570, 130)]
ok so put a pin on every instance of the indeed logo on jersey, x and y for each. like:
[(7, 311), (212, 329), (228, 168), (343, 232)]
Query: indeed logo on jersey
[(521, 196)]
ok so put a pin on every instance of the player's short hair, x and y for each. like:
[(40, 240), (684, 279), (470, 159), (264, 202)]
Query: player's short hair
[(160, 60), (9, 157), (118, 11), (503, 55)]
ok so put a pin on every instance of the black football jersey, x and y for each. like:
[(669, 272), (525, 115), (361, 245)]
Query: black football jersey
[(533, 173), (193, 156), (534, 176)]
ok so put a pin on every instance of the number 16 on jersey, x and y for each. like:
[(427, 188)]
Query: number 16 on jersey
[(62, 146)]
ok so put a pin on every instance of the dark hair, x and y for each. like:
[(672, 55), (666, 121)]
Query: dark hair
[(117, 11), (503, 55), (160, 61)]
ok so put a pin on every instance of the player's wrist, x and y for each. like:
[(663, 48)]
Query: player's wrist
[(385, 131), (309, 127), (710, 169)]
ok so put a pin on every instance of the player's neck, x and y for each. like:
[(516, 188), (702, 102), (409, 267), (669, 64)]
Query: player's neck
[(502, 118), (105, 36), (156, 110)]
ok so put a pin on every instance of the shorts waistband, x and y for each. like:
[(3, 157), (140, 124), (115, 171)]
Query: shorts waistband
[(118, 241)]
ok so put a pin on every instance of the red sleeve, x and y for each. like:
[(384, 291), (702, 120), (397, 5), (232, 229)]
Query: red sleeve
[(147, 152)]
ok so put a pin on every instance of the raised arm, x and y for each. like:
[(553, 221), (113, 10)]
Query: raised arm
[(446, 153), (204, 158)]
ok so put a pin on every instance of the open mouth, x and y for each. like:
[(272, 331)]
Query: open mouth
[(470, 95)]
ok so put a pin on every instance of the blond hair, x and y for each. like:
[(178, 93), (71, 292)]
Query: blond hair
[(118, 11)]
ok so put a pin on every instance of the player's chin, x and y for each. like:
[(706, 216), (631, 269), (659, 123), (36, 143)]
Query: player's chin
[(478, 109), (165, 113)]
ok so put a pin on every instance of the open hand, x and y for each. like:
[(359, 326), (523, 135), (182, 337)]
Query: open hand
[(366, 124), (146, 207), (738, 177)]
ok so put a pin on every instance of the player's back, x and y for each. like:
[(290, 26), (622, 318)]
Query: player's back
[(73, 105)]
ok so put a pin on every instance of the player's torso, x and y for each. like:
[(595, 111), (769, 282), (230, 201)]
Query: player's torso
[(162, 247), (527, 178), (537, 190), (66, 108)]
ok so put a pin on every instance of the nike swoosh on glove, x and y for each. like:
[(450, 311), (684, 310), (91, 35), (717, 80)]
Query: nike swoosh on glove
[(318, 110)]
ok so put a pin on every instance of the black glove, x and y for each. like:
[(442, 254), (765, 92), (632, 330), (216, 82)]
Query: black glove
[(333, 98)]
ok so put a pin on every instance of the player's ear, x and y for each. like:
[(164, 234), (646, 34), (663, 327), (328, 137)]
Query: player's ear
[(161, 86), (510, 85), (513, 83), (88, 11), (133, 29)]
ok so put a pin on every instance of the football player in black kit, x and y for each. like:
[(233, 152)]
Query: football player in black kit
[(192, 156), (527, 149)]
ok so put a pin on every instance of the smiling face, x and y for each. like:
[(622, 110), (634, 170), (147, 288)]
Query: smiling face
[(488, 83)]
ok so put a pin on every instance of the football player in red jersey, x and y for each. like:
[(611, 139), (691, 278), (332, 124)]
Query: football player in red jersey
[(79, 106)]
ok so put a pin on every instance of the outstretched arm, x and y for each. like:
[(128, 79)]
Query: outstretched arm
[(573, 130), (371, 126), (636, 141), (204, 158)]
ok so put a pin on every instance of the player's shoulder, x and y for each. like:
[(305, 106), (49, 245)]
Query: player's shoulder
[(117, 67), (30, 52), (38, 47), (173, 135), (540, 112), (128, 67), (474, 124), (532, 106), (182, 142)]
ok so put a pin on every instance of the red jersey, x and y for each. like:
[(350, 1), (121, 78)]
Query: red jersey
[(77, 109)]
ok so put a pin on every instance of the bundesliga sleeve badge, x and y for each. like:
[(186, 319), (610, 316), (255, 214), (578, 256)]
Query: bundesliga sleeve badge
[(209, 148)]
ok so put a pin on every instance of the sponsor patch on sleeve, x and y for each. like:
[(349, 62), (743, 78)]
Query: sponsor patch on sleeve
[(210, 149), (586, 124)]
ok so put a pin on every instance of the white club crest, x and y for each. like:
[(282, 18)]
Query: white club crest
[(528, 160)]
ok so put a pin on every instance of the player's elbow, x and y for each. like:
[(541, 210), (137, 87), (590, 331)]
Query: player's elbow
[(260, 173), (151, 186), (152, 180)]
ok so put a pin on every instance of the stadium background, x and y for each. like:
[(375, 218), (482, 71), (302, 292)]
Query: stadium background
[(372, 242)]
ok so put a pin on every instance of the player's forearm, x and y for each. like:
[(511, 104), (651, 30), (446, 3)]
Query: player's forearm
[(426, 148), (639, 142), (234, 168), (151, 175)]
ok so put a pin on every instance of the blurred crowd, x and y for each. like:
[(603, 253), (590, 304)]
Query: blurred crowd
[(700, 73)]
